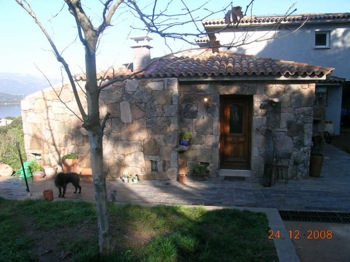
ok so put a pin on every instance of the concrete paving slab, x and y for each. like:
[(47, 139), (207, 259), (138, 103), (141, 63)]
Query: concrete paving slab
[(322, 242)]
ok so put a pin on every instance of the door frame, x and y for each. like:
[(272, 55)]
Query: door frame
[(249, 100)]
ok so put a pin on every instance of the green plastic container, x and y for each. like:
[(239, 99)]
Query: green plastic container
[(26, 166)]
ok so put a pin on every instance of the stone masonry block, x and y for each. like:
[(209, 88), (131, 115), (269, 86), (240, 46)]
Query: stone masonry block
[(131, 86), (159, 85), (135, 159), (174, 159), (125, 112)]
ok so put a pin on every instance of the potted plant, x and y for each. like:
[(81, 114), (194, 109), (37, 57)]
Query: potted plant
[(200, 172), (126, 177), (316, 158), (185, 138), (37, 171), (70, 163)]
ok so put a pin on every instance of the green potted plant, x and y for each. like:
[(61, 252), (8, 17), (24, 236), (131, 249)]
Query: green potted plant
[(316, 158), (200, 172), (70, 163), (36, 170), (185, 138)]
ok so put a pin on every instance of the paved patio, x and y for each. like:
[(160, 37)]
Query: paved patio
[(328, 192)]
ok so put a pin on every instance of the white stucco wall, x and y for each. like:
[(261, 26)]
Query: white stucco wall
[(334, 95), (298, 45)]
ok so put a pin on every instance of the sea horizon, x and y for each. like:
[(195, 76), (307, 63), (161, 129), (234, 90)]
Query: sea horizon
[(12, 110)]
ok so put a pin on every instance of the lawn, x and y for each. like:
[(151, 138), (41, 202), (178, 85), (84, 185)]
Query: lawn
[(37, 230)]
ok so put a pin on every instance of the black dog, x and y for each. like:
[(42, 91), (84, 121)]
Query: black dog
[(62, 179)]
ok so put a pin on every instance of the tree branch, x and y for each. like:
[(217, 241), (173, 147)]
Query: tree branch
[(26, 6), (165, 21), (103, 125), (107, 17), (84, 24)]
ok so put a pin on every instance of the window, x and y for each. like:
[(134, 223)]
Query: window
[(154, 166), (236, 119), (322, 39)]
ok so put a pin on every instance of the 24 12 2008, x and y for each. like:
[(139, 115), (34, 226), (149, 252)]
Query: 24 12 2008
[(296, 234)]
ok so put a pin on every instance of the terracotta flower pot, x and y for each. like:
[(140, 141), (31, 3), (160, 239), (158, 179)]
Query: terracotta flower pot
[(181, 178), (38, 175), (316, 162), (70, 165), (48, 194), (140, 177)]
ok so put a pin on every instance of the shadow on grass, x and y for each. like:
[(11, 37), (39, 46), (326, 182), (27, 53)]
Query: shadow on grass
[(160, 233)]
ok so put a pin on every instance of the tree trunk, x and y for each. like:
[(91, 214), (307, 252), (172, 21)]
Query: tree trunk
[(95, 132), (99, 180)]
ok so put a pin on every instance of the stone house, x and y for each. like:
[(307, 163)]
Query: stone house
[(243, 111), (5, 122), (318, 39)]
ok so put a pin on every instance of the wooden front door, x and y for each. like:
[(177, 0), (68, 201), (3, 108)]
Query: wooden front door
[(235, 132)]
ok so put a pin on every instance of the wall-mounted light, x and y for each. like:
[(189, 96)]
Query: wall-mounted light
[(206, 103)]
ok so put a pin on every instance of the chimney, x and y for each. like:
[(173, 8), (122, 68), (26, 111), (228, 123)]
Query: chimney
[(141, 52)]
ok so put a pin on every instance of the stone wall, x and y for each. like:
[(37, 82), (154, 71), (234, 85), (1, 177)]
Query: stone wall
[(284, 108), (51, 130), (147, 115), (142, 131), (142, 134)]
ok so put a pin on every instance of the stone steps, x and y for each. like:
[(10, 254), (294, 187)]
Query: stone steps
[(235, 173)]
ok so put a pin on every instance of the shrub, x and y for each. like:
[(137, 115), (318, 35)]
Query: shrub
[(35, 166), (70, 156), (200, 170), (9, 136)]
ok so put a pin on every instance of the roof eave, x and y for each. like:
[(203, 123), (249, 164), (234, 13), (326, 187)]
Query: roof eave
[(253, 78), (220, 25)]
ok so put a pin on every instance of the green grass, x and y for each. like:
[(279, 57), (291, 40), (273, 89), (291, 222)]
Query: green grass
[(160, 233), (14, 245)]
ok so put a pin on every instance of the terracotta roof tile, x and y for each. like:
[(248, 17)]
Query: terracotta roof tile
[(204, 63), (110, 73), (248, 20)]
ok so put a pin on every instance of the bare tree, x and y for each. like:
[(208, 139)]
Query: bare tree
[(89, 36), (161, 20)]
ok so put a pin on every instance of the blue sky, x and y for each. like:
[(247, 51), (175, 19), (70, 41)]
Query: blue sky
[(23, 46)]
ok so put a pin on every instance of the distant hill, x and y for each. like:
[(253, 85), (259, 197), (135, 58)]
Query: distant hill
[(19, 84), (10, 99)]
